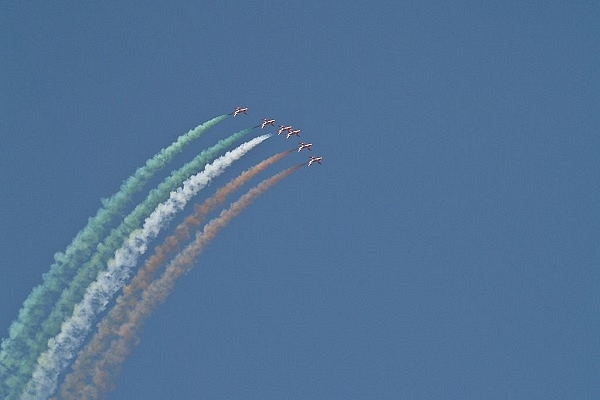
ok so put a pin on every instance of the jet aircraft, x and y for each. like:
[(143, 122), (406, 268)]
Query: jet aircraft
[(292, 132), (239, 110), (266, 122), (304, 146), (284, 128), (314, 160)]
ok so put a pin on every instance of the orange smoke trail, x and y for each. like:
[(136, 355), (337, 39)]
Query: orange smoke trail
[(99, 361)]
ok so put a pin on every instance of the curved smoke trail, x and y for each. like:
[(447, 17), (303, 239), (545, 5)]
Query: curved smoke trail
[(123, 335), (95, 353), (16, 346), (88, 272), (63, 346)]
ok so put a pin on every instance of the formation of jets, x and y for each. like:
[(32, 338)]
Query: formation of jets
[(290, 131)]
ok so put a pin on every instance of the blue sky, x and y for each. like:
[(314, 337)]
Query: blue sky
[(446, 248)]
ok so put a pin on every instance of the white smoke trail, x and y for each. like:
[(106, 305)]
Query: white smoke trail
[(19, 351), (62, 348)]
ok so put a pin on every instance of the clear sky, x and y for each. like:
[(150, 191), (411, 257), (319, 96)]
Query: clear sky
[(447, 248)]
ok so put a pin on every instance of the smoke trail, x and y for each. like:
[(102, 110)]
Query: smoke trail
[(33, 312), (101, 372), (88, 272), (62, 348), (85, 359)]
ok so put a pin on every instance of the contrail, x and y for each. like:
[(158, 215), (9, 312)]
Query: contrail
[(88, 355), (63, 346), (101, 372), (34, 309), (88, 272)]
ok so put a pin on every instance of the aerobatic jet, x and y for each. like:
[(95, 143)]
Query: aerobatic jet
[(240, 110), (284, 128), (266, 122), (314, 160), (304, 146), (292, 132)]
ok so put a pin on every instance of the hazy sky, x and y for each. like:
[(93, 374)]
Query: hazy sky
[(448, 247)]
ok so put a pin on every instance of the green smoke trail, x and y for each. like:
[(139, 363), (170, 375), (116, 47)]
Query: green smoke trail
[(36, 306), (37, 343)]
